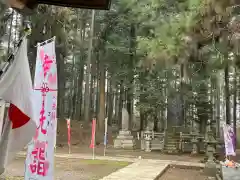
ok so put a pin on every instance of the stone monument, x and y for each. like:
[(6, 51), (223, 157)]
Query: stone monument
[(125, 120), (150, 125), (124, 139)]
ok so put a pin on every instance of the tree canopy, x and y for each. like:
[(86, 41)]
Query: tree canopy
[(176, 60)]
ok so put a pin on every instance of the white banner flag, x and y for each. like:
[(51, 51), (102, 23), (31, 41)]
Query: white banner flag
[(229, 140), (20, 121), (40, 157)]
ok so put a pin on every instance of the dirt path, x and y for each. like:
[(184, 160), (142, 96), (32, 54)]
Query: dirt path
[(183, 174)]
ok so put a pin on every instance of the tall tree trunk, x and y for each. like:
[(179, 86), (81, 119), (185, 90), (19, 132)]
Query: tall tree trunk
[(227, 93), (61, 83), (120, 105), (235, 101), (101, 114), (88, 71), (218, 109), (79, 93), (142, 99), (96, 111), (202, 104), (93, 88), (225, 53), (81, 68), (212, 102), (132, 52), (116, 104), (107, 95), (74, 95), (71, 91), (110, 102), (182, 107)]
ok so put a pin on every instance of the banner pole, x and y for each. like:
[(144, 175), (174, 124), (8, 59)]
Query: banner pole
[(104, 151), (69, 135), (69, 148), (94, 138), (93, 153), (105, 136), (94, 147)]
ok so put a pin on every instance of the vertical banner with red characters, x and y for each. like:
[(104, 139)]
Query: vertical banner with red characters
[(92, 145), (40, 157), (69, 134)]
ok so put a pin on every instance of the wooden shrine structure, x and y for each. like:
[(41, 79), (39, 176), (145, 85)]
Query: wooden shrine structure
[(27, 6)]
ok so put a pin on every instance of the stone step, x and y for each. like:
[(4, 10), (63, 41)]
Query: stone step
[(170, 146), (175, 144), (171, 142), (172, 137)]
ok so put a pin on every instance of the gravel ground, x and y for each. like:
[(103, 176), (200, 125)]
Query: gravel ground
[(183, 174), (71, 169)]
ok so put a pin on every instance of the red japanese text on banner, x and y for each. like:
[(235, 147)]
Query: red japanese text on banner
[(40, 156)]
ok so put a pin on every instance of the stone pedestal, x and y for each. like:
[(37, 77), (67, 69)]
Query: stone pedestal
[(230, 173), (2, 170), (125, 140), (210, 166), (194, 149), (194, 144), (148, 139)]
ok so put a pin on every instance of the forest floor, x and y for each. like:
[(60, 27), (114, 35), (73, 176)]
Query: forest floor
[(99, 151), (81, 138)]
